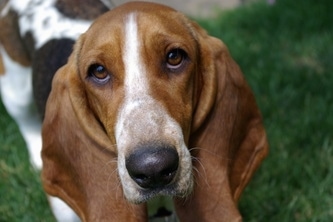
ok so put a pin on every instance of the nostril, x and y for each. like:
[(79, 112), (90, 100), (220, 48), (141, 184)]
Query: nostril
[(152, 167), (140, 179)]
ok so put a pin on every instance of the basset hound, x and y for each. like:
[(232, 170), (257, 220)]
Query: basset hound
[(36, 38), (150, 105)]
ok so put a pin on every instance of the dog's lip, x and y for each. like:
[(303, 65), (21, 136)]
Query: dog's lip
[(148, 194)]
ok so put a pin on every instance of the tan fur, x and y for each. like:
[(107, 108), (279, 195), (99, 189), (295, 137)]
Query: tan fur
[(209, 99), (2, 68)]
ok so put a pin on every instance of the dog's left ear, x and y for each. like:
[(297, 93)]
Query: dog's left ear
[(228, 140), (78, 162)]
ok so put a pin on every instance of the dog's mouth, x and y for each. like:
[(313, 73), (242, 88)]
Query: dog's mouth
[(157, 174), (161, 209)]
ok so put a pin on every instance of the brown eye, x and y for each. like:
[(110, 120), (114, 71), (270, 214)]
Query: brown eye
[(98, 73), (175, 58)]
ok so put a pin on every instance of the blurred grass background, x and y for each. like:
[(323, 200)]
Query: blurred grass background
[(286, 53)]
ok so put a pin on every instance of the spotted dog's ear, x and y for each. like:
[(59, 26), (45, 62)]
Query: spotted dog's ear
[(228, 139), (10, 40), (78, 167)]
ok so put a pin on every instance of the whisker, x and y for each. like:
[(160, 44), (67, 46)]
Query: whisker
[(107, 149), (202, 175), (214, 154), (111, 182)]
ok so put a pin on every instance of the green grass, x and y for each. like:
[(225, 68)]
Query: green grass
[(286, 54), (21, 195)]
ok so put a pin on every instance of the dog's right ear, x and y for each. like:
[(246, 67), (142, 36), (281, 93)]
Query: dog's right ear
[(78, 167), (228, 137)]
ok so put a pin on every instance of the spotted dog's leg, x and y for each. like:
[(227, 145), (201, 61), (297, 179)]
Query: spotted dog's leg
[(62, 211), (43, 22), (16, 94)]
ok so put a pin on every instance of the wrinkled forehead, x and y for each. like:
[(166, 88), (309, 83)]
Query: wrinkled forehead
[(151, 19)]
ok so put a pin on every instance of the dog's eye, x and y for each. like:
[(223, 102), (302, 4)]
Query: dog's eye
[(175, 58), (98, 73)]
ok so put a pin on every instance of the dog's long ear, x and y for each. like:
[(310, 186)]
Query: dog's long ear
[(79, 165), (228, 141)]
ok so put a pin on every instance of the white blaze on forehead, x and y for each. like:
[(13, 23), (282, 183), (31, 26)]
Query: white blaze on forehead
[(140, 113), (135, 80)]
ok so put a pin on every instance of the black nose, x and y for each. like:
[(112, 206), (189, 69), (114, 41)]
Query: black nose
[(151, 166)]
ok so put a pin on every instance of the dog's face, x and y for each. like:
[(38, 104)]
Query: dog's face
[(139, 73), (145, 85)]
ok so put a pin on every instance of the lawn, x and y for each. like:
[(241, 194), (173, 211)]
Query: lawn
[(286, 54)]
